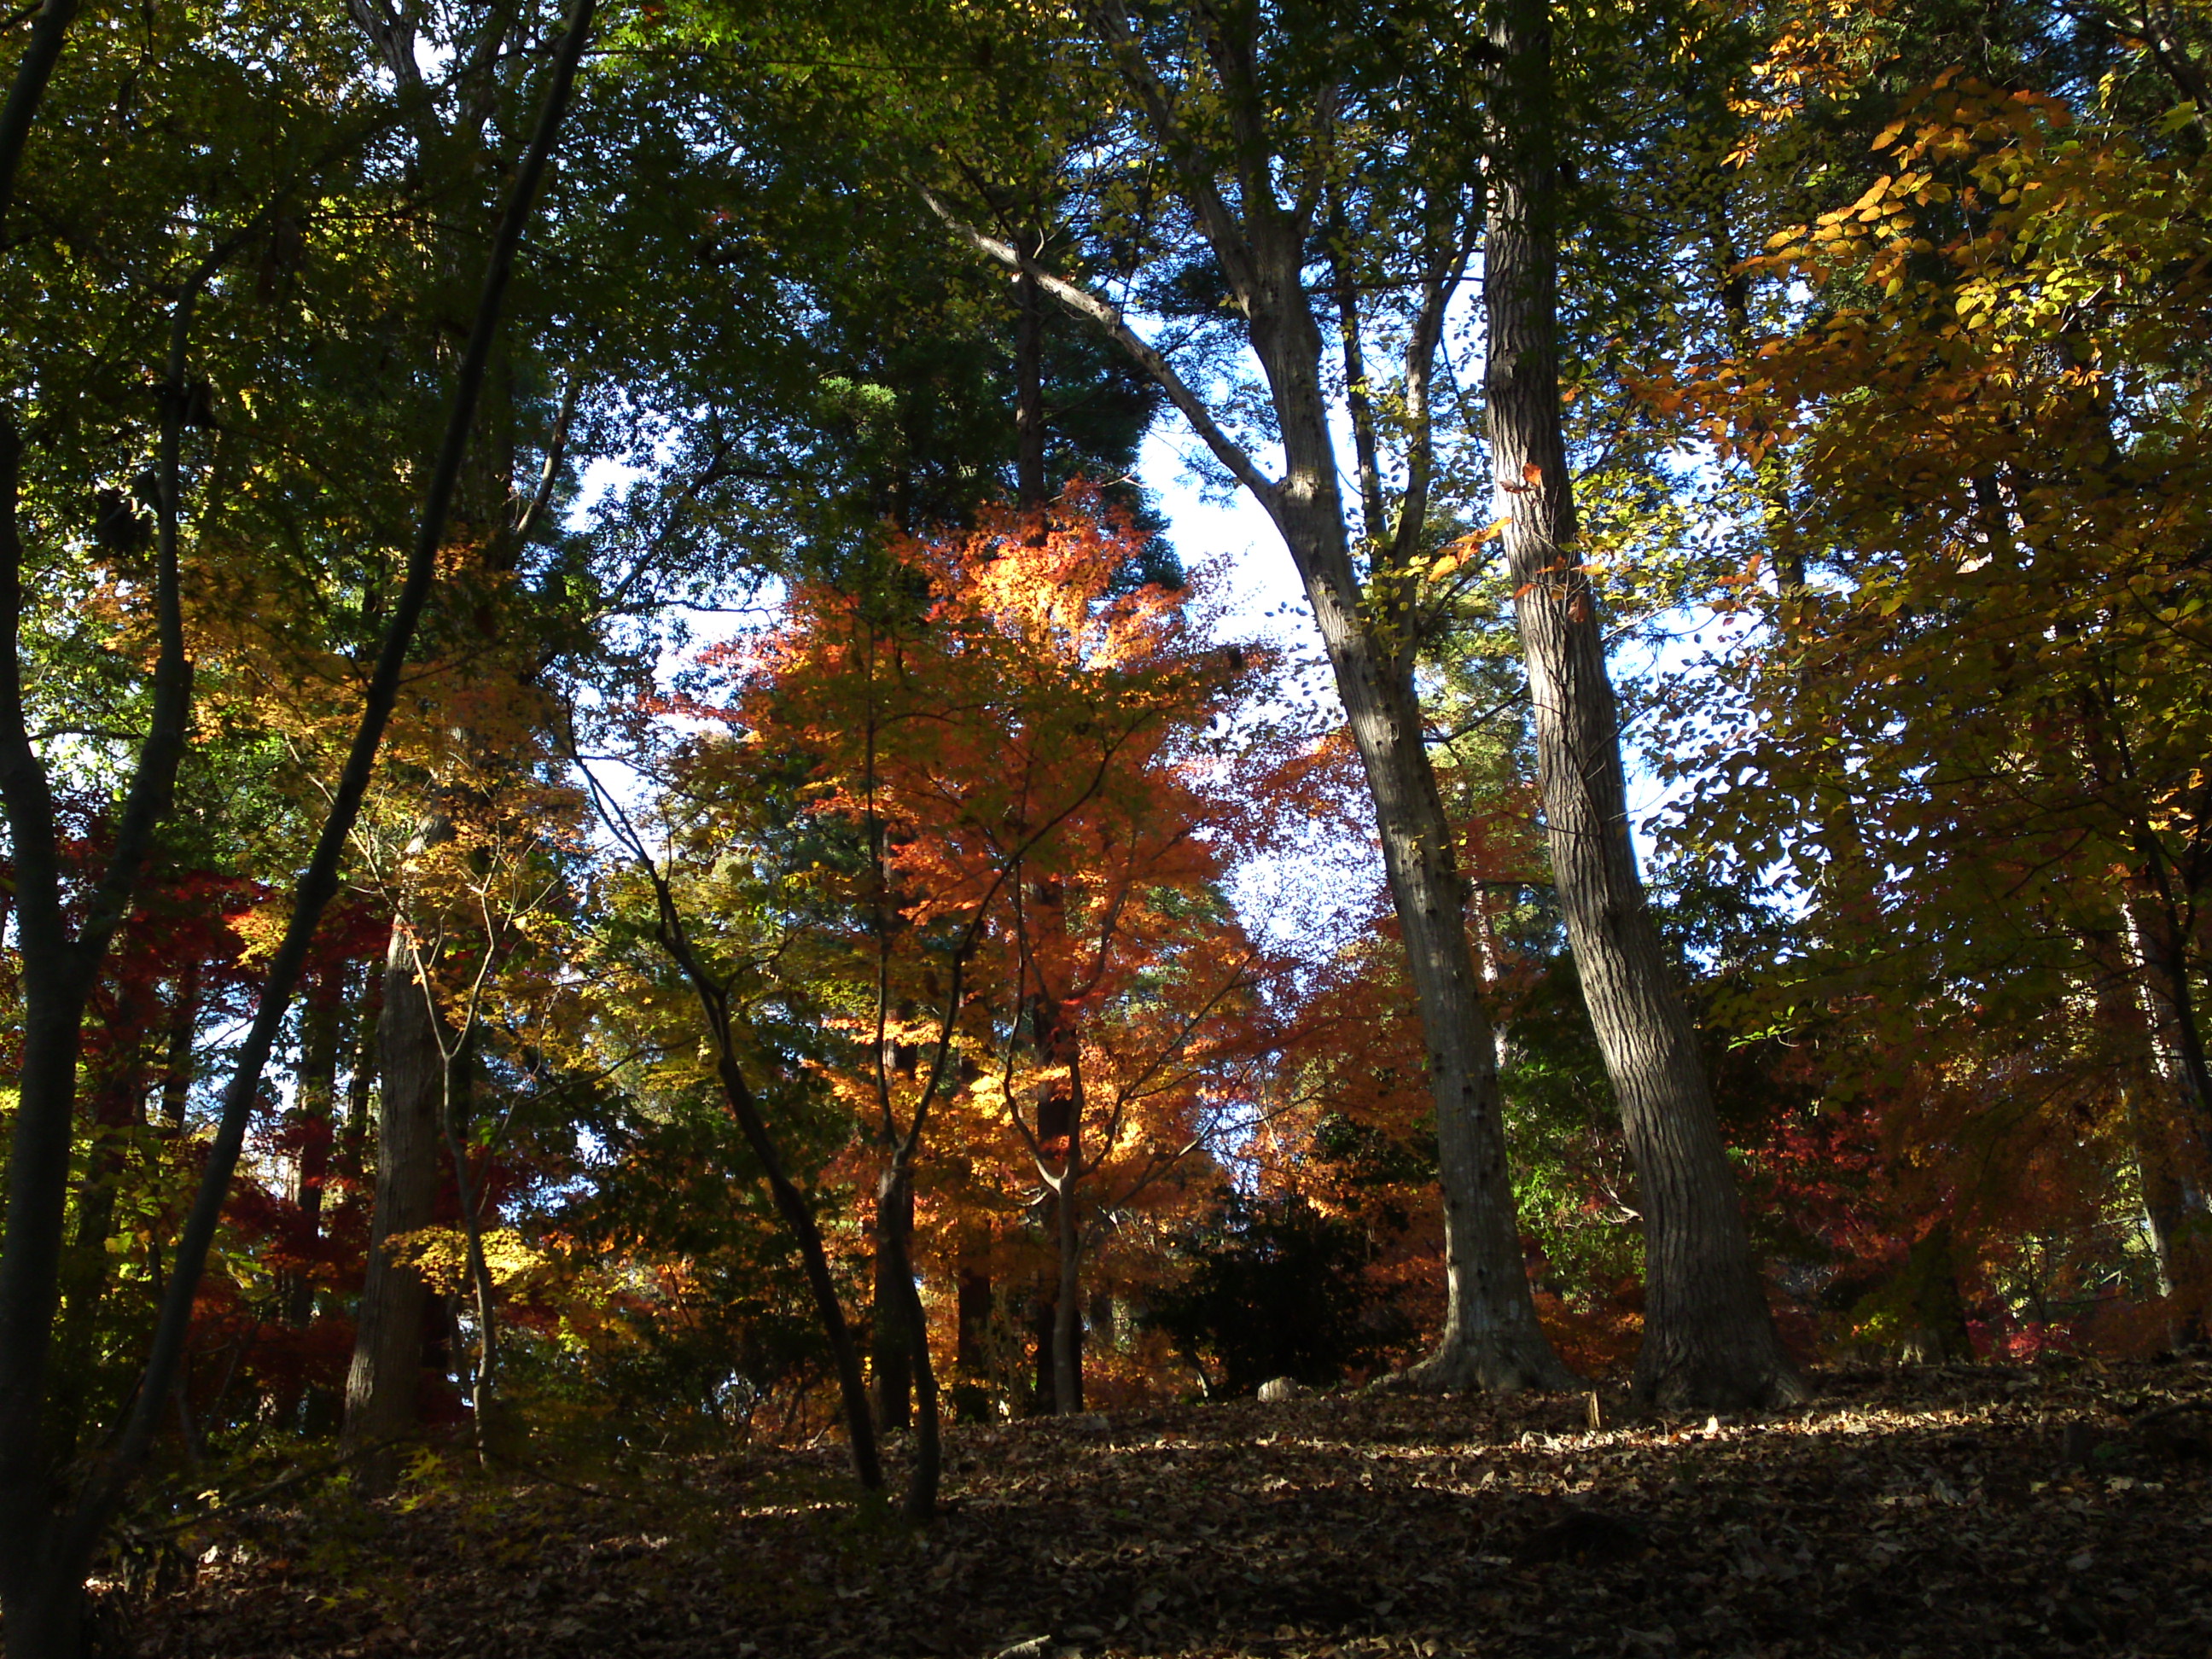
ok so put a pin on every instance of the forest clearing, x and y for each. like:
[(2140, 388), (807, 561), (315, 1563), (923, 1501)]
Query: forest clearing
[(1966, 1512), (1020, 827)]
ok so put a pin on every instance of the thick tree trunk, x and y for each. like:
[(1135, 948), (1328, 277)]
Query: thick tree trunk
[(1709, 1340), (386, 1378)]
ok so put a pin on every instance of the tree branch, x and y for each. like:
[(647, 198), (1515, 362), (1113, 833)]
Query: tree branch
[(1085, 304)]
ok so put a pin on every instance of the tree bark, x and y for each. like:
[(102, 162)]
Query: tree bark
[(384, 1381), (1709, 1340), (2174, 1156)]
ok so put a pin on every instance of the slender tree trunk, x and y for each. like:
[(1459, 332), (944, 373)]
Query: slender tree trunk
[(1709, 1340), (1067, 1300), (889, 1359), (41, 1583), (361, 1073), (314, 1110), (118, 1106), (894, 1245), (2159, 942), (385, 1380), (790, 1202), (1029, 484), (454, 1096), (1492, 1338), (2173, 1157), (177, 1062)]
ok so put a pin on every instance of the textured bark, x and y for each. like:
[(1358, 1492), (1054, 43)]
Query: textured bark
[(1709, 1340), (385, 1377)]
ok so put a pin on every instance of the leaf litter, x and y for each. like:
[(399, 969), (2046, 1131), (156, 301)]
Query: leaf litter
[(1942, 1513)]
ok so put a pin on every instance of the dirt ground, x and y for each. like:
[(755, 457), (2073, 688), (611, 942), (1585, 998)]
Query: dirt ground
[(1947, 1513)]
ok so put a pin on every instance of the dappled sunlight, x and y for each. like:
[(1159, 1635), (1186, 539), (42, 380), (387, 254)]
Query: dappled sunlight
[(1974, 1511)]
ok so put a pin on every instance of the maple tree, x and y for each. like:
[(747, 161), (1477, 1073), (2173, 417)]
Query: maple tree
[(1016, 930)]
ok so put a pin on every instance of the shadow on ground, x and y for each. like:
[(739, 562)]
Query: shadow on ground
[(1947, 1514)]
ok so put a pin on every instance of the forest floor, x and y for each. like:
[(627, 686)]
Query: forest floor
[(1944, 1513)]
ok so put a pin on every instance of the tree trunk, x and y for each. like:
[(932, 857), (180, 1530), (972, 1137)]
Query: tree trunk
[(1492, 1338), (314, 1103), (177, 1062), (118, 1106), (360, 1075), (43, 1580), (889, 1359), (1709, 1340), (454, 1096), (974, 1319), (2173, 1159), (1067, 1300), (900, 1305), (2159, 939), (1933, 1314), (386, 1378), (1028, 394)]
